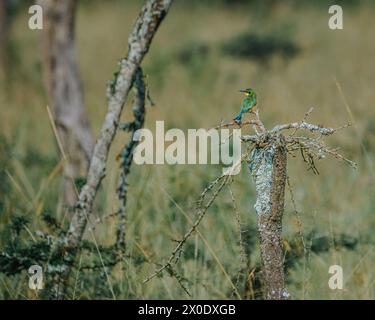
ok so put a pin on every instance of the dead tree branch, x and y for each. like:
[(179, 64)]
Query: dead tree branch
[(268, 165), (144, 29), (267, 159)]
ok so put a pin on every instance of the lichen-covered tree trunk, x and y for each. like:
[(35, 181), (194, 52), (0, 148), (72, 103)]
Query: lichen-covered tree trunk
[(139, 41), (147, 23), (269, 171), (126, 155), (63, 86)]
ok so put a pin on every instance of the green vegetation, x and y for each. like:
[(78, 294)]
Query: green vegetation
[(194, 84), (260, 47)]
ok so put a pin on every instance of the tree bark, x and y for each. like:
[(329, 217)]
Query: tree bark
[(145, 27), (64, 90), (270, 179)]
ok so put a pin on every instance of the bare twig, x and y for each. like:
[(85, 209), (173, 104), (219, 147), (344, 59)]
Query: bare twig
[(307, 114), (303, 125), (236, 124), (175, 255)]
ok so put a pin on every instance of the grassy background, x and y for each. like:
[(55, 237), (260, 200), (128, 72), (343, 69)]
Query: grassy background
[(194, 84)]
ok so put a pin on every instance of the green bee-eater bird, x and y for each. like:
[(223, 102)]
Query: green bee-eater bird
[(248, 104)]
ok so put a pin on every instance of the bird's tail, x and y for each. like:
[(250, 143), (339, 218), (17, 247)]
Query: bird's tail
[(238, 118)]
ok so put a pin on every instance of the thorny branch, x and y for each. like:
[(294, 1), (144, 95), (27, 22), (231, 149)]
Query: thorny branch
[(310, 147), (214, 187), (176, 253)]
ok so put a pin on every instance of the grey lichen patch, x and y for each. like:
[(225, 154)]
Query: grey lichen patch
[(261, 163), (117, 77), (112, 85), (312, 127), (285, 294), (281, 294)]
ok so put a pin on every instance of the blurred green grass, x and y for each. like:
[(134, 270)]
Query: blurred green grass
[(199, 93)]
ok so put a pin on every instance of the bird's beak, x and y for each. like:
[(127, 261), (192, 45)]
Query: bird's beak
[(242, 90)]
